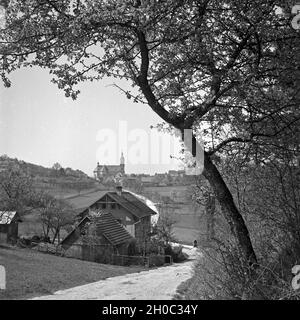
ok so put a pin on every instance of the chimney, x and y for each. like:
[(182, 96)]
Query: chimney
[(119, 190)]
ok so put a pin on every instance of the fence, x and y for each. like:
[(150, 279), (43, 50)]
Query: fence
[(104, 253), (149, 261), (100, 253), (123, 260), (49, 248)]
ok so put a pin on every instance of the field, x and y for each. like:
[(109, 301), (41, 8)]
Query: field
[(189, 219), (30, 273), (186, 235)]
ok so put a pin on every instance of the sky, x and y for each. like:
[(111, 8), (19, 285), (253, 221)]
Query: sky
[(38, 124)]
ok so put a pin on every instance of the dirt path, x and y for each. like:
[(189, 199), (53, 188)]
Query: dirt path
[(155, 284)]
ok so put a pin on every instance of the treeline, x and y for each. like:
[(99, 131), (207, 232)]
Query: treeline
[(37, 170), (56, 179)]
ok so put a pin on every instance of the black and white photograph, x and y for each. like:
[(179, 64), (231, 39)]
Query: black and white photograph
[(149, 150)]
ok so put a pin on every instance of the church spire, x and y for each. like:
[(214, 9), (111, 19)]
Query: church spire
[(122, 159), (122, 163)]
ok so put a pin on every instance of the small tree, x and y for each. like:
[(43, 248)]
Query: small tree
[(55, 215), (56, 166), (17, 191), (163, 230)]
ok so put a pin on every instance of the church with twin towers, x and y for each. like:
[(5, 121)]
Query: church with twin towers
[(106, 173)]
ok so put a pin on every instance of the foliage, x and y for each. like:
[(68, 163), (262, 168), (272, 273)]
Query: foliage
[(175, 252), (56, 166), (269, 197), (163, 230), (17, 191), (225, 63), (55, 214), (221, 275)]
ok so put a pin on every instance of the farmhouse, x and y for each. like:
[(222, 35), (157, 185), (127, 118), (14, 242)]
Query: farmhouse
[(96, 237), (128, 210), (9, 226)]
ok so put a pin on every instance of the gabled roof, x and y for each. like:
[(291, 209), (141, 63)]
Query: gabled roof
[(127, 200), (108, 226), (113, 231), (132, 204), (6, 217), (84, 201)]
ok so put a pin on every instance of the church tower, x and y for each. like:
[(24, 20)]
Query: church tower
[(122, 163), (96, 171)]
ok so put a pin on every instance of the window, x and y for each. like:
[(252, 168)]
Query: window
[(113, 206), (103, 205)]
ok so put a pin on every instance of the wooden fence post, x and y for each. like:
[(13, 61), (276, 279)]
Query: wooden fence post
[(2, 278)]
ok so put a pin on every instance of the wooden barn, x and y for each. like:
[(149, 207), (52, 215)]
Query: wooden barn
[(96, 237), (9, 226)]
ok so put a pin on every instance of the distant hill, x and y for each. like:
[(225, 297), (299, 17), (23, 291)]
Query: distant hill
[(58, 181)]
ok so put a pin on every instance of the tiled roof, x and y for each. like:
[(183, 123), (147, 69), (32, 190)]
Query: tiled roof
[(6, 217), (113, 231), (107, 225), (79, 227)]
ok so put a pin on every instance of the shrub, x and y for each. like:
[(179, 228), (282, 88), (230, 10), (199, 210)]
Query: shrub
[(156, 260), (176, 253), (220, 274)]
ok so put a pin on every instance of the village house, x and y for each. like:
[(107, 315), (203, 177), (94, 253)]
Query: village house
[(128, 210), (9, 226), (97, 237)]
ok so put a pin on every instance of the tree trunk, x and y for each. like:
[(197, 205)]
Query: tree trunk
[(230, 211), (55, 233), (211, 173)]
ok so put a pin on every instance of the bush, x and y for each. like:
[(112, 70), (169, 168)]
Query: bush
[(176, 253), (132, 248), (156, 260), (220, 274)]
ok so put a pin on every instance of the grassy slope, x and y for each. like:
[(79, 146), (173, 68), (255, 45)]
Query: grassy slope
[(30, 273)]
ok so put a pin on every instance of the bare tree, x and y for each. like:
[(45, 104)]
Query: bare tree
[(163, 230), (55, 215)]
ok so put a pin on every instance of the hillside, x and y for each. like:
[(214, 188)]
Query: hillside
[(58, 181)]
